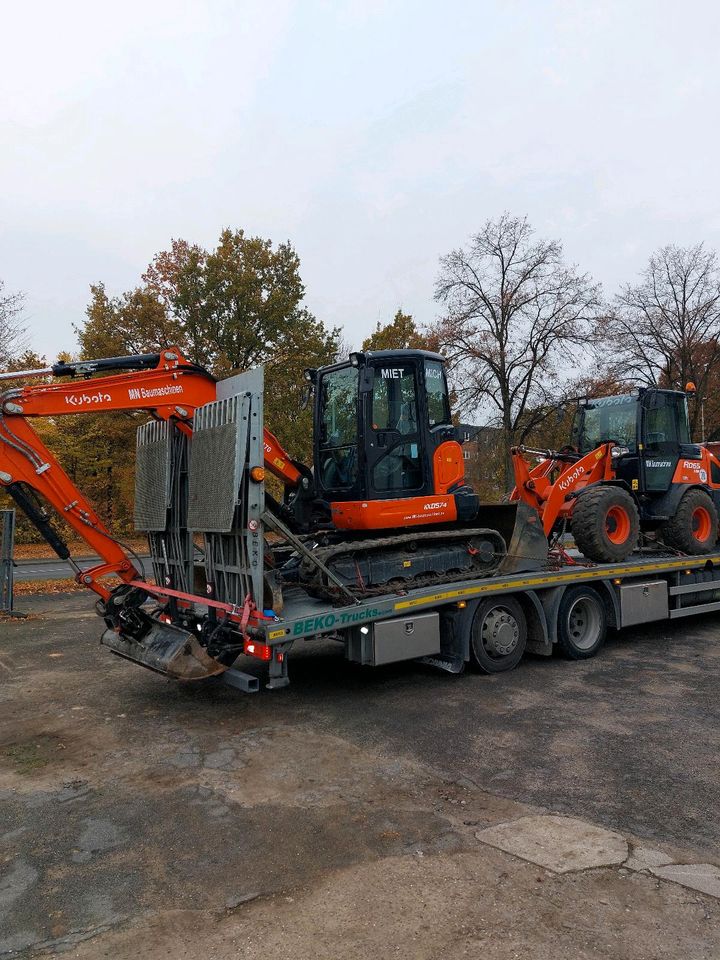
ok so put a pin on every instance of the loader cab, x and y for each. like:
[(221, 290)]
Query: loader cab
[(650, 429), (379, 420)]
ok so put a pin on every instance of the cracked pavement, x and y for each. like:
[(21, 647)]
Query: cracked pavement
[(561, 810)]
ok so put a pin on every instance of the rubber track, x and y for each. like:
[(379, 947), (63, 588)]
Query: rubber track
[(319, 586)]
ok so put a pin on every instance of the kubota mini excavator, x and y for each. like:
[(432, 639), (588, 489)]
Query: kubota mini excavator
[(631, 467), (385, 505)]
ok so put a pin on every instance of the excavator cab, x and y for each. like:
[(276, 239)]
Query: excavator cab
[(386, 451)]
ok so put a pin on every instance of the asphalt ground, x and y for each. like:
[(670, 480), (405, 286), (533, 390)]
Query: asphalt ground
[(140, 817), (33, 570)]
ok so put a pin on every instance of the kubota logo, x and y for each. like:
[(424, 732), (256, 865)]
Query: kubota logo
[(82, 399), (435, 506), (570, 480)]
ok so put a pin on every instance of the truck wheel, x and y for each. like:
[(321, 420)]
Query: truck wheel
[(605, 524), (582, 623), (694, 528), (498, 635)]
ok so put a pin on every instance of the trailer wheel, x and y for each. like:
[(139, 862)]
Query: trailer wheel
[(694, 528), (582, 623), (498, 635), (605, 524)]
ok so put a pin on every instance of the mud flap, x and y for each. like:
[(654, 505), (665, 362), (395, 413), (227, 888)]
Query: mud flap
[(521, 528), (165, 649)]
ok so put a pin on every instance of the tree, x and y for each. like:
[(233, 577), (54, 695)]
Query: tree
[(665, 329), (516, 320), (228, 309), (13, 334), (400, 334)]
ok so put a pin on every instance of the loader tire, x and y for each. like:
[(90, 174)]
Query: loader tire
[(605, 524), (694, 528)]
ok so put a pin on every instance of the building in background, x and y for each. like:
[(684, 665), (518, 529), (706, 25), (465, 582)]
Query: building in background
[(482, 453)]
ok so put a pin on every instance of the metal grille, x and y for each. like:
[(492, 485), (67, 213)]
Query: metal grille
[(224, 503), (214, 477), (152, 476)]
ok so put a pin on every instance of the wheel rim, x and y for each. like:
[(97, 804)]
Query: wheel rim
[(499, 633), (617, 525), (584, 623), (701, 524)]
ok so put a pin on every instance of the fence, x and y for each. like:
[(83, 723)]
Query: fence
[(7, 543)]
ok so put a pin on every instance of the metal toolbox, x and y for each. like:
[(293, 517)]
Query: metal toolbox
[(642, 602), (403, 638)]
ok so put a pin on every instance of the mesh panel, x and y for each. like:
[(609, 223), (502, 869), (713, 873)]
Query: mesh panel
[(152, 477), (213, 479)]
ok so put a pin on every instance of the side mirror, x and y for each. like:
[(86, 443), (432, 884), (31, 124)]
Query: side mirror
[(305, 395)]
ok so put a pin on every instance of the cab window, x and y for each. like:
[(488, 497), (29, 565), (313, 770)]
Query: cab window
[(338, 429), (394, 405), (437, 393)]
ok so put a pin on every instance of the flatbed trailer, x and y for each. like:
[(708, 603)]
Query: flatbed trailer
[(492, 622)]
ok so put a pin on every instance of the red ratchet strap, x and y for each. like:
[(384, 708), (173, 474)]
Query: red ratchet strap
[(242, 614)]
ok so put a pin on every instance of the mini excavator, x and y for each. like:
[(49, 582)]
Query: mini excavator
[(384, 507)]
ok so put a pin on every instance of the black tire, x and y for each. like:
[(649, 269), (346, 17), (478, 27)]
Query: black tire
[(595, 527), (498, 634), (582, 623), (685, 531)]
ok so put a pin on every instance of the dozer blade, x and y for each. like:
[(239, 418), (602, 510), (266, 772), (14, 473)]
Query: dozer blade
[(521, 528), (167, 650)]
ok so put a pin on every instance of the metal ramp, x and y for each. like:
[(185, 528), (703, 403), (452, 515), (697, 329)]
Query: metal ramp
[(161, 484), (225, 504)]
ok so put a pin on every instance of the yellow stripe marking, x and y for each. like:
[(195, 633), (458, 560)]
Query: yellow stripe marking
[(594, 574)]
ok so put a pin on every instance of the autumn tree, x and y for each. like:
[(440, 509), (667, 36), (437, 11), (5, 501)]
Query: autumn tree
[(665, 328), (516, 320), (400, 334), (228, 309)]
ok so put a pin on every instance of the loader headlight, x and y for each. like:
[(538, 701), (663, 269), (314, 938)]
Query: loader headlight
[(356, 359)]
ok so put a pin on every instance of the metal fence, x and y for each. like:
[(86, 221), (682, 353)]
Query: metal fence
[(7, 543)]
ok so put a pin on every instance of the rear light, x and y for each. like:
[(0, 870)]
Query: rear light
[(260, 650)]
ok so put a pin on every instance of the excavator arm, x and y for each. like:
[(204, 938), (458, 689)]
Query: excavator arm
[(166, 385)]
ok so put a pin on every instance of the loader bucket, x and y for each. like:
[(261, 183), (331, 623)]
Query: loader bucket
[(165, 649), (521, 528)]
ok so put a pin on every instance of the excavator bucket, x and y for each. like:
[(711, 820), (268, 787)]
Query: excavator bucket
[(165, 649), (521, 528)]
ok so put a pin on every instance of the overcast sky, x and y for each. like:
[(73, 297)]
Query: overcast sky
[(373, 135)]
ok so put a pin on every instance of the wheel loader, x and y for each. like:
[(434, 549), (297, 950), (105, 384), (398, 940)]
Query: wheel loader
[(630, 471)]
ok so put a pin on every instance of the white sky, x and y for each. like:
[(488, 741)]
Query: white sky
[(373, 135)]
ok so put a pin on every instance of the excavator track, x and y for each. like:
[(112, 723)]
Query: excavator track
[(372, 566)]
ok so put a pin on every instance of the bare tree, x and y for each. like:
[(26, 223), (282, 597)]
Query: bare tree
[(666, 328), (517, 318), (13, 338)]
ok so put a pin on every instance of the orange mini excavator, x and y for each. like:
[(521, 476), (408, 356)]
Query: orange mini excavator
[(385, 503), (631, 467)]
